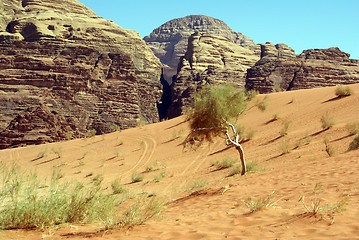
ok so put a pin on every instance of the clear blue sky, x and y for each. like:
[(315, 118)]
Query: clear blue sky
[(301, 24)]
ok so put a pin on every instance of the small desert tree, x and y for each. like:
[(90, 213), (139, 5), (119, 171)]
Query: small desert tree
[(215, 112)]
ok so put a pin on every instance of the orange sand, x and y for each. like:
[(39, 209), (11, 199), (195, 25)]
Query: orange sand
[(218, 211)]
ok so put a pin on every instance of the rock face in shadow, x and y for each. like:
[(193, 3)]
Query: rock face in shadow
[(210, 59), (169, 41), (310, 69), (89, 71)]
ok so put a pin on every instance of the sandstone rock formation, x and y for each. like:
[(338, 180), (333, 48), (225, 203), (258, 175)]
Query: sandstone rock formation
[(169, 41), (61, 56), (210, 59), (312, 68)]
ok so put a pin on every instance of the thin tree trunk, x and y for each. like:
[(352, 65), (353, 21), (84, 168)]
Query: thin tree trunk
[(243, 161)]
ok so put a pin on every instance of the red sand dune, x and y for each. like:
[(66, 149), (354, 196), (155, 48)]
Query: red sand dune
[(218, 211)]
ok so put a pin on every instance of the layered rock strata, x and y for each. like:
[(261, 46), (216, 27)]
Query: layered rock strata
[(58, 55), (210, 59), (313, 68), (169, 41)]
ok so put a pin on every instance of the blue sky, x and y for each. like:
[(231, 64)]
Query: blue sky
[(301, 24)]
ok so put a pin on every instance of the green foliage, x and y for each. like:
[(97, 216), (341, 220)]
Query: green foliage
[(139, 212), (137, 177), (212, 106), (260, 203), (353, 128), (69, 135), (285, 127), (263, 105), (275, 116), (343, 91), (317, 205), (196, 184), (91, 133), (251, 168), (225, 163), (277, 88), (27, 203), (116, 188), (115, 128), (285, 147), (355, 143), (327, 121), (42, 153), (251, 94)]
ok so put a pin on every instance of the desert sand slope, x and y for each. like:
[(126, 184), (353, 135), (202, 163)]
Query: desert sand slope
[(217, 210)]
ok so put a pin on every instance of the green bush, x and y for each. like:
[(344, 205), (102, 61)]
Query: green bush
[(260, 203), (327, 121), (116, 188), (27, 203), (137, 177), (353, 128), (285, 127), (343, 91), (225, 163), (286, 147)]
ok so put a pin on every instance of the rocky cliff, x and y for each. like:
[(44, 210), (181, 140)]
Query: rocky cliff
[(210, 59), (312, 68), (169, 41), (60, 62)]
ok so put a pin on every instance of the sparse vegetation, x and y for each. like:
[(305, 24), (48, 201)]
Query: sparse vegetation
[(285, 127), (327, 121), (142, 144), (138, 213), (69, 135), (275, 116), (141, 122), (355, 143), (42, 154), (225, 163), (27, 203), (307, 139), (137, 177), (316, 205), (353, 128), (263, 105), (116, 188), (260, 203), (251, 94), (57, 151), (91, 133), (196, 184), (343, 91), (285, 147), (115, 128), (329, 148), (149, 168), (251, 168)]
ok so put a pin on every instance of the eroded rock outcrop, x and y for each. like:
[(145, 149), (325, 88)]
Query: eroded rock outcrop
[(61, 55), (210, 59), (312, 68), (169, 41)]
